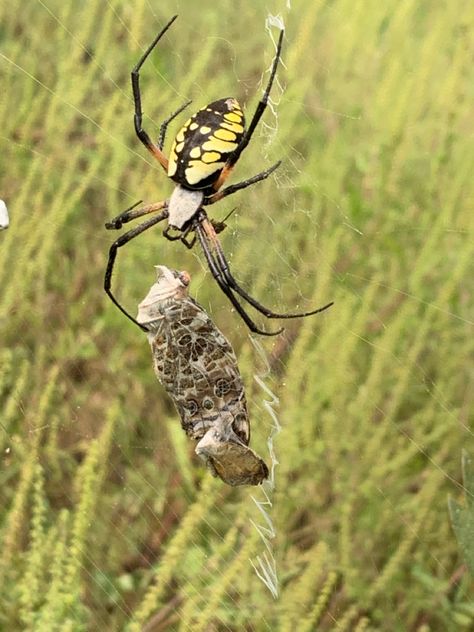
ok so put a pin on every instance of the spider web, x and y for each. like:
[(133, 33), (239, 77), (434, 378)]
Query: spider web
[(70, 363)]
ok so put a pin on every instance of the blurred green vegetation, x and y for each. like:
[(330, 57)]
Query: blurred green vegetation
[(108, 521)]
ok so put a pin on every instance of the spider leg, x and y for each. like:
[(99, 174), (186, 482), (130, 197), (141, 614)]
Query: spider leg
[(220, 225), (260, 109), (232, 283), (135, 77), (189, 244), (164, 125), (130, 214), (166, 233), (121, 241), (218, 276), (181, 236), (215, 197)]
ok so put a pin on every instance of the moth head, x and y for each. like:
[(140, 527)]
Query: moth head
[(229, 458), (170, 285)]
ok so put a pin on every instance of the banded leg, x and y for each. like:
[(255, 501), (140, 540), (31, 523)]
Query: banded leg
[(121, 241), (135, 77), (130, 214)]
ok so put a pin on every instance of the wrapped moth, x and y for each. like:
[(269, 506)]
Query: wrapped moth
[(197, 366)]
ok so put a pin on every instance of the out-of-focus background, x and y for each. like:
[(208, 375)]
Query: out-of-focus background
[(108, 519)]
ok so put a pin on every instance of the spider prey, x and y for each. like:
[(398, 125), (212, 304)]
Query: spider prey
[(198, 368), (201, 159)]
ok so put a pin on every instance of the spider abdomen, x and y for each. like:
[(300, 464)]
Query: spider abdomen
[(205, 142)]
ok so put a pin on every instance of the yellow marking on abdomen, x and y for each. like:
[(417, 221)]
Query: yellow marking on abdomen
[(180, 135), (233, 116), (172, 164), (210, 156), (224, 134), (234, 127), (214, 144), (196, 171)]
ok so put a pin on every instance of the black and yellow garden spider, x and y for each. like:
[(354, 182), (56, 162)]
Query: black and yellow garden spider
[(201, 159)]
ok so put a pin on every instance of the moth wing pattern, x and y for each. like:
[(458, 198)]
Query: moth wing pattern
[(198, 368)]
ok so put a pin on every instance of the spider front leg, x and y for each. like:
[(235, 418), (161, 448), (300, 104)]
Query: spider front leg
[(135, 77), (260, 109), (118, 243)]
